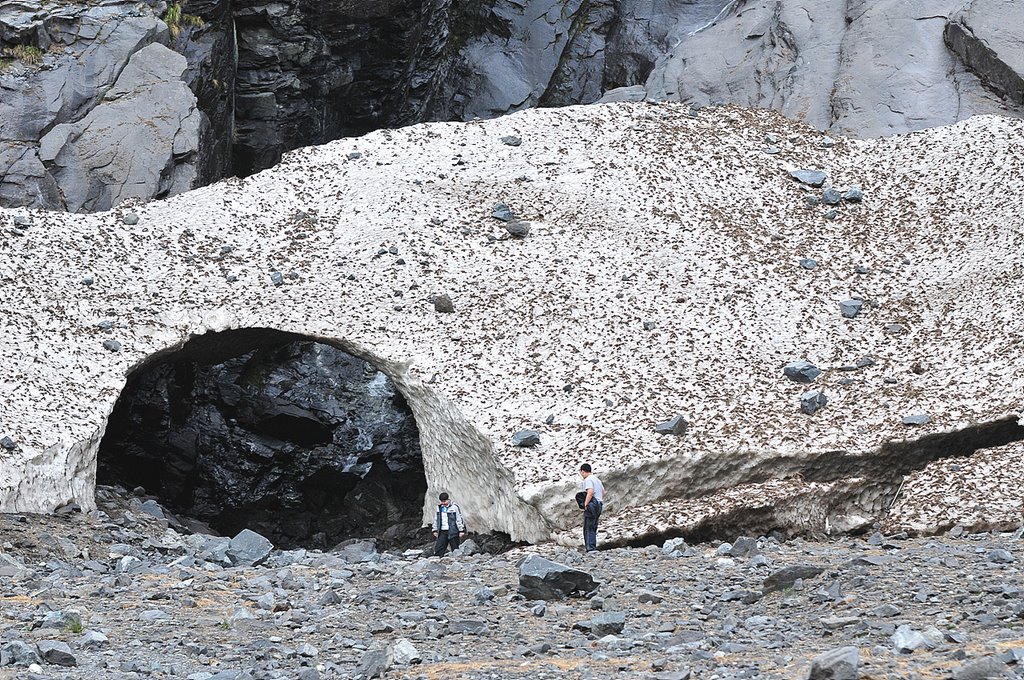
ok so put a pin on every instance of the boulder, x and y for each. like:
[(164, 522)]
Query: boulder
[(542, 579), (608, 623), (404, 653), (248, 549), (374, 663), (785, 578), (676, 426), (836, 664), (357, 550), (985, 668), (801, 371), (56, 652), (18, 653)]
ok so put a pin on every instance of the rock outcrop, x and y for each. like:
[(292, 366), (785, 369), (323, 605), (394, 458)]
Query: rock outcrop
[(95, 109), (139, 141), (638, 213), (298, 441), (988, 36), (861, 68), (302, 73)]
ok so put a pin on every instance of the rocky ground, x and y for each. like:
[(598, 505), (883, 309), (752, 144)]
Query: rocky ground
[(117, 594)]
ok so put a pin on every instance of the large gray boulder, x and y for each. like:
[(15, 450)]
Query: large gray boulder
[(542, 579), (249, 549)]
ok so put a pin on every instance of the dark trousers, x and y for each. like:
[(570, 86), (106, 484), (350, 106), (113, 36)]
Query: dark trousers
[(590, 517), (444, 539)]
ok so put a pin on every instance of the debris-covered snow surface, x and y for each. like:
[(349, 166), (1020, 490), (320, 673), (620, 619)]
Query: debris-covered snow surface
[(666, 272)]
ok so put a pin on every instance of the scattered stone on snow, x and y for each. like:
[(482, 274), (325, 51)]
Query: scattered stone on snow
[(831, 196), (917, 419), (851, 308), (677, 426), (801, 371), (526, 438), (517, 228), (812, 400), (814, 178), (443, 304), (502, 212)]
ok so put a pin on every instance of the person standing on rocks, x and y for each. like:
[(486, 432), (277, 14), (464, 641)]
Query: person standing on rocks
[(593, 504), (448, 525)]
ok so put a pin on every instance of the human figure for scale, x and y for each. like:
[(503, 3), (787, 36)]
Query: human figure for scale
[(448, 525), (593, 504)]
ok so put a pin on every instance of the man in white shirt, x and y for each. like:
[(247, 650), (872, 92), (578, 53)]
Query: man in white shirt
[(593, 504), (448, 525)]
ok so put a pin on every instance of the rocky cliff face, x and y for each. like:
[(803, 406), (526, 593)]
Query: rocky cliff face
[(96, 108), (297, 440), (854, 68), (312, 72), (303, 73)]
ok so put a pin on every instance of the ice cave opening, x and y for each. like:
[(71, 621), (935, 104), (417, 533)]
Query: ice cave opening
[(293, 438)]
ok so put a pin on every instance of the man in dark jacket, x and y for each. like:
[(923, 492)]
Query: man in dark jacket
[(448, 525)]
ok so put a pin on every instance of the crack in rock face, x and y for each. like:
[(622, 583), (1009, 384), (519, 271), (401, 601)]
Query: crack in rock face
[(298, 441)]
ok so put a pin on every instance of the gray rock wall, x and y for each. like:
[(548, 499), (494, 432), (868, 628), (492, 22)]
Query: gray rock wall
[(856, 68), (305, 73), (988, 35), (139, 141), (105, 115)]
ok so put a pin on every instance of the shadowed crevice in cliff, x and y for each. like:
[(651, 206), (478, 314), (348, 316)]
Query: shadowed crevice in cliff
[(298, 440)]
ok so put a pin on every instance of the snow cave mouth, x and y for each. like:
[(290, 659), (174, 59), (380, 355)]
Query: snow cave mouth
[(279, 433)]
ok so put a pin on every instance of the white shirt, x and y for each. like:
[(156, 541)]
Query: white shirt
[(444, 518), (592, 482)]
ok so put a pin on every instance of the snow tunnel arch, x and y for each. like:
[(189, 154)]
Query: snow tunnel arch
[(455, 455)]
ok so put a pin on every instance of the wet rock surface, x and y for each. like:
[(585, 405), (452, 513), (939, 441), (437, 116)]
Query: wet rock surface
[(871, 607), (301, 442)]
